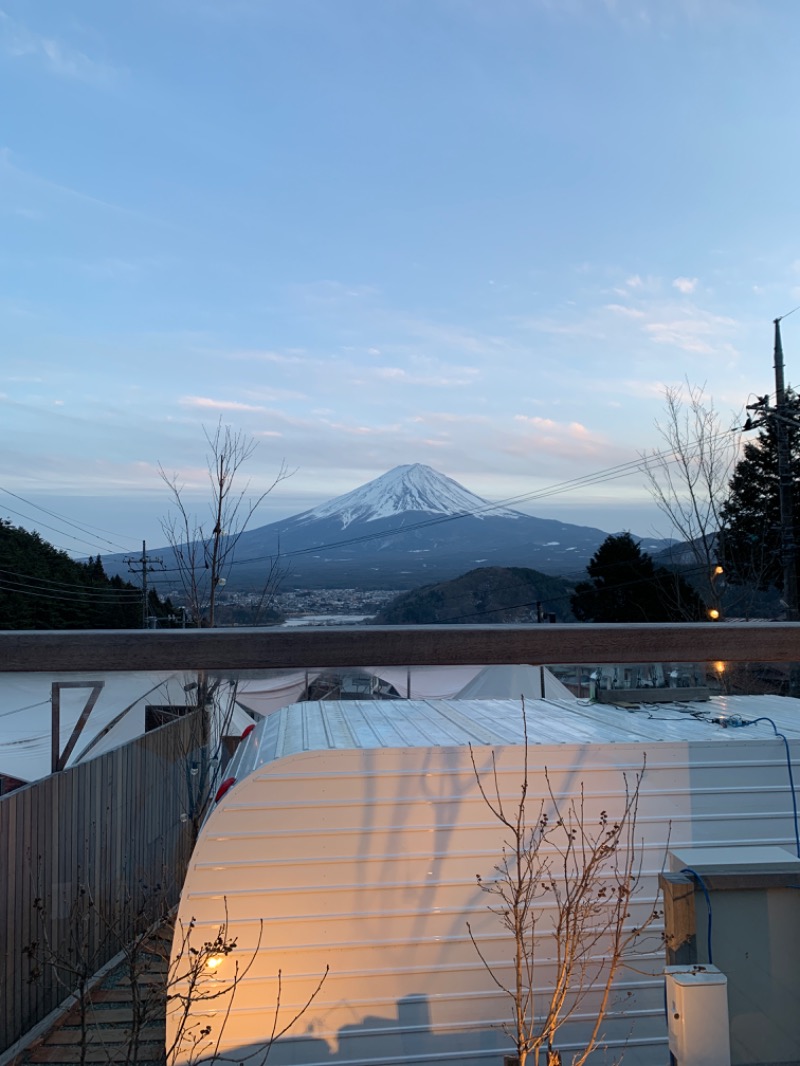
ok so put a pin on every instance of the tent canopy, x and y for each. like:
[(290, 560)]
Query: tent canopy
[(512, 682)]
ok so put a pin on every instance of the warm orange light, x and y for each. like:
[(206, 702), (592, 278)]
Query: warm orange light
[(214, 961), (718, 570), (719, 667), (713, 613)]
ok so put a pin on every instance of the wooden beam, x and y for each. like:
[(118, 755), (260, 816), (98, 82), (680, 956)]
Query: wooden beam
[(252, 649), (97, 688)]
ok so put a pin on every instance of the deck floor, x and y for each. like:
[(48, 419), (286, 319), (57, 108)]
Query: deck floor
[(110, 1034)]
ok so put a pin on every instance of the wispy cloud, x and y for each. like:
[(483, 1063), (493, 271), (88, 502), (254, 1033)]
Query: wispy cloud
[(206, 403), (626, 312), (565, 439), (459, 377), (29, 183), (697, 331), (646, 14), (685, 285), (57, 57)]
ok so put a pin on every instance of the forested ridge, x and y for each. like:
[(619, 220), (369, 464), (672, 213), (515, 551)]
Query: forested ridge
[(43, 588), (491, 594)]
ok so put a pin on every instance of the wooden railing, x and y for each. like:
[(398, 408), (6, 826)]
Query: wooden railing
[(254, 649)]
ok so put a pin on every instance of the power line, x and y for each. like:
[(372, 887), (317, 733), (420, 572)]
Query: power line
[(74, 591), (53, 514), (53, 529)]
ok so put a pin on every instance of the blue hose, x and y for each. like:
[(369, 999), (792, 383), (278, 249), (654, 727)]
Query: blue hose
[(701, 882)]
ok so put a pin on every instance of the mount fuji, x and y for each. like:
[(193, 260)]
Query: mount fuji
[(408, 527)]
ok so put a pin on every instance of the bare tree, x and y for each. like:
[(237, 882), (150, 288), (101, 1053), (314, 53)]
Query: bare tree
[(688, 479), (199, 1004), (568, 884), (204, 550), (186, 987)]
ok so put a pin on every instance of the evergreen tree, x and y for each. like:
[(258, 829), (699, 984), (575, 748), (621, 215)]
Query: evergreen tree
[(750, 536), (43, 588), (626, 586)]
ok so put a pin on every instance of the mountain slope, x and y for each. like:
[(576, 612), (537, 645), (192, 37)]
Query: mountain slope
[(406, 528)]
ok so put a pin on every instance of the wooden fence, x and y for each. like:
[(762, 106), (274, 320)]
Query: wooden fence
[(89, 857)]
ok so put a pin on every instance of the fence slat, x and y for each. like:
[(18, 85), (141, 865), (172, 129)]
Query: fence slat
[(112, 822)]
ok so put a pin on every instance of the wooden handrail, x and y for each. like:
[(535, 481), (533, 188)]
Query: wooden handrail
[(253, 649)]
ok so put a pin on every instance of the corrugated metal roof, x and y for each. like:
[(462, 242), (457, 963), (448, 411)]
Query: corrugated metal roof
[(353, 724)]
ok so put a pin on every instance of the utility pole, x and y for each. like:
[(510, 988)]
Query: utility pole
[(785, 489), (784, 420), (141, 565)]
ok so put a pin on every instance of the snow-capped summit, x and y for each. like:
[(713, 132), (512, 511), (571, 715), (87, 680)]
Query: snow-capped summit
[(412, 488)]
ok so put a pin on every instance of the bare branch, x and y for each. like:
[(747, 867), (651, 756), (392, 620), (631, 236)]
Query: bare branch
[(204, 551), (584, 875)]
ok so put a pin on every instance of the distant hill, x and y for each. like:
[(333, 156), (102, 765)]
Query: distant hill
[(410, 526), (488, 594)]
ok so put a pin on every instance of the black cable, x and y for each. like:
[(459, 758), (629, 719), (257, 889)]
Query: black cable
[(60, 532), (91, 531), (57, 596), (11, 577), (71, 591), (775, 730), (19, 710)]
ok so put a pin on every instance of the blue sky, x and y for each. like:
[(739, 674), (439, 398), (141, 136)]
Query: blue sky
[(479, 234)]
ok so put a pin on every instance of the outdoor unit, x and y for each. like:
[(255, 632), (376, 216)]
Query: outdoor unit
[(697, 1016)]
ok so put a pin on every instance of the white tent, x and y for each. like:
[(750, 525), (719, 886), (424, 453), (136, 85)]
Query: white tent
[(26, 716), (425, 682), (265, 695), (512, 682), (269, 694)]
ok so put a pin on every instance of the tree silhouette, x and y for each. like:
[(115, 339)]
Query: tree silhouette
[(626, 586), (750, 536)]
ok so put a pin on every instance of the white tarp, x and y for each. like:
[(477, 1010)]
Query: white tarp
[(427, 682), (117, 717), (269, 694), (265, 695), (511, 682)]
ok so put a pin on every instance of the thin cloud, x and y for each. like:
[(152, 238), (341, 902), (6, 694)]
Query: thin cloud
[(557, 440), (57, 57), (685, 285), (29, 180), (697, 331), (206, 403), (463, 376), (627, 312)]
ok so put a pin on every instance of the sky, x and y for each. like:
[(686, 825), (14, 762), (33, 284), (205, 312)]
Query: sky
[(483, 235)]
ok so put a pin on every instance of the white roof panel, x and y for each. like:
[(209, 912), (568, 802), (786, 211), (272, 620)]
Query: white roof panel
[(354, 724)]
